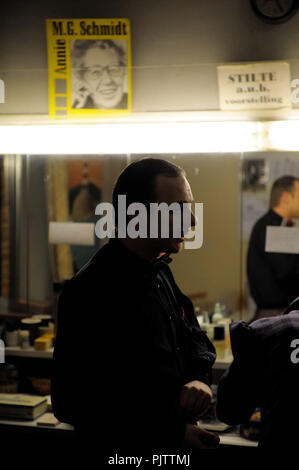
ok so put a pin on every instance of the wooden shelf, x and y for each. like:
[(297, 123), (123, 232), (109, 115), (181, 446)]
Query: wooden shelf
[(29, 352)]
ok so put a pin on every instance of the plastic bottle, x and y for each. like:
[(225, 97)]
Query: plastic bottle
[(226, 322), (219, 342), (24, 339), (197, 313), (206, 318), (207, 326), (217, 315)]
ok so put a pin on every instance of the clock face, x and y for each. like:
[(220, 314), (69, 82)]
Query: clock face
[(275, 11)]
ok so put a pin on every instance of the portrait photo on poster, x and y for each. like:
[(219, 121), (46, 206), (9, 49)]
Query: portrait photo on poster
[(255, 174), (99, 74)]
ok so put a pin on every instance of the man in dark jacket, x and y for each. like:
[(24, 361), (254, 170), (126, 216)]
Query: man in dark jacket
[(130, 361), (265, 375), (274, 277)]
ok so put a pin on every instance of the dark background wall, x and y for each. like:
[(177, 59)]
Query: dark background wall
[(176, 45)]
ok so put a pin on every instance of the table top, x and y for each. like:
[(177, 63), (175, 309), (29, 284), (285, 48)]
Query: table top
[(28, 352), (33, 424), (233, 438), (230, 438)]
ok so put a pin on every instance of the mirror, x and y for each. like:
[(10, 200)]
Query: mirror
[(41, 193), (259, 171), (46, 191)]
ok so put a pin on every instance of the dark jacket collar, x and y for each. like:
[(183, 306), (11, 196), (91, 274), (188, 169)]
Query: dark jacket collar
[(134, 262), (275, 217)]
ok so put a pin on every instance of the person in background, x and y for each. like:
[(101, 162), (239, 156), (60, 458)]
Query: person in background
[(130, 361), (264, 374), (98, 75), (83, 199), (274, 277)]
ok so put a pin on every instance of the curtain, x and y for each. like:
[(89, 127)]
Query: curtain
[(58, 211)]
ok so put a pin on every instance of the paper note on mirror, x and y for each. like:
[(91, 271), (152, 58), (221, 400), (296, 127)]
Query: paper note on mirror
[(282, 240), (72, 233)]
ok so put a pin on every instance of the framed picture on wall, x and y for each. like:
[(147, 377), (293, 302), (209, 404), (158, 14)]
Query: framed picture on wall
[(255, 174)]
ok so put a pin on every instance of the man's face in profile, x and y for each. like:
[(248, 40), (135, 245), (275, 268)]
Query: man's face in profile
[(104, 76), (294, 200), (169, 190)]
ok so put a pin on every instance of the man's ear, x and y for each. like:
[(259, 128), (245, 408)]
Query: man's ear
[(285, 197)]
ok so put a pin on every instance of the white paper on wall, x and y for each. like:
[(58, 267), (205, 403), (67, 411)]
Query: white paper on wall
[(72, 233), (257, 85), (282, 240)]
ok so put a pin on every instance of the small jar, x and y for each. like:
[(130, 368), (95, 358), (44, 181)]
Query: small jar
[(219, 342), (31, 324), (24, 339)]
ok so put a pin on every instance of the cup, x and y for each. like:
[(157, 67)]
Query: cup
[(45, 319), (31, 324)]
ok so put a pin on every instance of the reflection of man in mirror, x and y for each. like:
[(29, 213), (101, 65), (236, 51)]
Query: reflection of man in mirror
[(98, 74), (274, 277), (83, 199)]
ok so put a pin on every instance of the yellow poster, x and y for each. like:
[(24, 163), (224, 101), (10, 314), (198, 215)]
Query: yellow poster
[(89, 63)]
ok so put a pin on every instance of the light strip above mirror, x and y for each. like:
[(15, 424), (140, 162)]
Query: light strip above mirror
[(130, 137), (160, 136), (281, 135)]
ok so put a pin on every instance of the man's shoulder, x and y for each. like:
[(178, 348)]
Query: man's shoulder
[(276, 326), (93, 275), (269, 218), (108, 270), (94, 268), (265, 337), (258, 232), (263, 221)]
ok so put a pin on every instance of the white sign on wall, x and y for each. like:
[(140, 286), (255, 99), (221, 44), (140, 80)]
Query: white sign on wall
[(259, 85), (282, 240)]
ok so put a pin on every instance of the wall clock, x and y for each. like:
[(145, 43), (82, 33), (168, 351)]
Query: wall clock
[(274, 11)]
